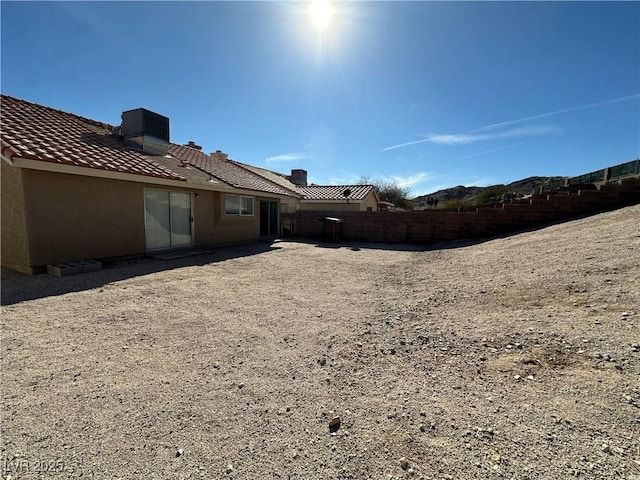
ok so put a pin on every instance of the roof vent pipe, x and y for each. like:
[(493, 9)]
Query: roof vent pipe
[(218, 155)]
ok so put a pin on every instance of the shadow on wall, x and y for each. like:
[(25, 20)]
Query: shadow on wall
[(21, 288)]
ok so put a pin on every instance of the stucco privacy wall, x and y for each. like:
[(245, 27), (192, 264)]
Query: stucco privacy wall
[(411, 227), (15, 253)]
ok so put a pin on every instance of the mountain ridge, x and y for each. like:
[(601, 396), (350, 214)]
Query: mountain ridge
[(462, 194)]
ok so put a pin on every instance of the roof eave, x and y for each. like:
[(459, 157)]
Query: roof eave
[(108, 174)]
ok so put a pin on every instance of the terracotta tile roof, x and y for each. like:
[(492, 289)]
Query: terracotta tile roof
[(195, 176), (274, 177), (334, 192), (312, 192), (35, 132), (226, 170)]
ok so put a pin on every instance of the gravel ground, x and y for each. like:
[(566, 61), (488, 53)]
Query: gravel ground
[(516, 358)]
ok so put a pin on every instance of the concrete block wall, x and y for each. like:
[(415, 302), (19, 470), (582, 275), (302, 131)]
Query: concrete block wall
[(433, 226)]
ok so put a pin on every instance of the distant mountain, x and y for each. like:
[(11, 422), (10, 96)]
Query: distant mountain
[(461, 193)]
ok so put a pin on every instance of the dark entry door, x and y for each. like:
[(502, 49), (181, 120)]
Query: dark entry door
[(268, 218)]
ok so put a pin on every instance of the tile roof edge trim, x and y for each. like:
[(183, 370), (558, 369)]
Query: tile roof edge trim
[(8, 151), (7, 159), (110, 175)]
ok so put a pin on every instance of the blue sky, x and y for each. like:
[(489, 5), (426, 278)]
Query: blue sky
[(428, 94)]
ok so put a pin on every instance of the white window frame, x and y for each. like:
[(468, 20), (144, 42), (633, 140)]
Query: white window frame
[(243, 206)]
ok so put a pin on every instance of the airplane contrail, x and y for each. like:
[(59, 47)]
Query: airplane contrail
[(557, 112)]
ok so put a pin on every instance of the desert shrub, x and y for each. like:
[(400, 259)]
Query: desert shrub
[(389, 191), (493, 195)]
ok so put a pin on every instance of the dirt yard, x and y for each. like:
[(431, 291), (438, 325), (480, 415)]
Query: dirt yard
[(516, 358)]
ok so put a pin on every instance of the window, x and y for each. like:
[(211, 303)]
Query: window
[(237, 205), (246, 204)]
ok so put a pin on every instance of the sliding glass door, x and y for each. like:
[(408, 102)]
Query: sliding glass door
[(168, 219)]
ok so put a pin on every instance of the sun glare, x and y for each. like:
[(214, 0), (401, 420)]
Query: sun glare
[(321, 13)]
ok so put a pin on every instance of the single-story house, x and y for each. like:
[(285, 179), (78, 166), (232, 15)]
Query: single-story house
[(74, 188), (363, 198)]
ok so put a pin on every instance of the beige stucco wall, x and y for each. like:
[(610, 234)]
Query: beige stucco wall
[(370, 202), (15, 248), (236, 228), (73, 217), (205, 206)]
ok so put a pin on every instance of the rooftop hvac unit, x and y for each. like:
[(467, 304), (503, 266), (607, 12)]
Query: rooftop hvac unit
[(146, 130)]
